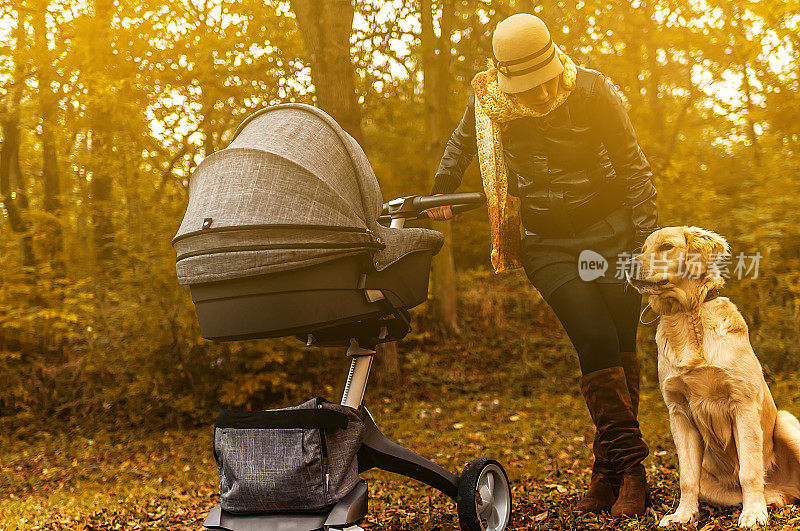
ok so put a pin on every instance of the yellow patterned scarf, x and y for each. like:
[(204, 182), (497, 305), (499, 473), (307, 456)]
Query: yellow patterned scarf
[(492, 108)]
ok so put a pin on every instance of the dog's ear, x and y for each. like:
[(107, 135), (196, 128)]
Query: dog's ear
[(706, 243)]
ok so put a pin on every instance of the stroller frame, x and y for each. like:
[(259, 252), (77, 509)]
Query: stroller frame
[(481, 492), (377, 451)]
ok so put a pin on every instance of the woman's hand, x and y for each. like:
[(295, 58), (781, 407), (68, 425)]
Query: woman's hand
[(442, 213)]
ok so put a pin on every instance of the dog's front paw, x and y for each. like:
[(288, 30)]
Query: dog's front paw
[(683, 515), (753, 517)]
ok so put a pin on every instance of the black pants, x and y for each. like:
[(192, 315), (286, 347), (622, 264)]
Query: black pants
[(600, 319)]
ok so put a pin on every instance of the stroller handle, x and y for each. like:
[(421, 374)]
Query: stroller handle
[(467, 198), (415, 206)]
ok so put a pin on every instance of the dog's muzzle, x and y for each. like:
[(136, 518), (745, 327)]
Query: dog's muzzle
[(643, 283)]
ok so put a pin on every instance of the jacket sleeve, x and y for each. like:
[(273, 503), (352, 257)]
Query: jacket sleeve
[(626, 156), (458, 153)]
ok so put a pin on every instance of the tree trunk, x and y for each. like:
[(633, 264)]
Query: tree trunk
[(48, 102), (12, 182), (386, 362), (208, 98), (436, 59), (751, 126), (101, 123), (744, 58), (326, 26), (208, 103), (657, 115)]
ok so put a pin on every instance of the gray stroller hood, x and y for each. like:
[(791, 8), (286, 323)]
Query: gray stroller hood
[(292, 189)]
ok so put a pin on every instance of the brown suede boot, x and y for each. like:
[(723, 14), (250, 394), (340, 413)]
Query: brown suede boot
[(604, 486), (634, 494), (637, 479), (630, 363), (618, 436)]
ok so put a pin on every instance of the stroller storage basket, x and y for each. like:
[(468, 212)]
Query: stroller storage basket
[(300, 459)]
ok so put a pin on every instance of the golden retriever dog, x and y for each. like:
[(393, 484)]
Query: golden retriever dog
[(733, 445)]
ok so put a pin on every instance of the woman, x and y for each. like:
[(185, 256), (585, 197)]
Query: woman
[(558, 152)]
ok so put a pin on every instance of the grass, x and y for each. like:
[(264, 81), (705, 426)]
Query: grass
[(507, 389)]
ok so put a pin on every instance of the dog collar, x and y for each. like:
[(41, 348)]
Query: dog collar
[(711, 295)]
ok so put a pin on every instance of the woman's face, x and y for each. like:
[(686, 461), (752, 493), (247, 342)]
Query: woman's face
[(540, 97)]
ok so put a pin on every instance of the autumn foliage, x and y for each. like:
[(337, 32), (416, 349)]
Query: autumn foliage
[(106, 107)]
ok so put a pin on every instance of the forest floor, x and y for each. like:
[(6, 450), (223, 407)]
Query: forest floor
[(513, 397)]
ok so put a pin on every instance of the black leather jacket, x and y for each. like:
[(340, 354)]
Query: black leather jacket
[(589, 145)]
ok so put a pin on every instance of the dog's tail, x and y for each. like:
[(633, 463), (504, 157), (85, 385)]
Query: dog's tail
[(787, 433), (786, 437)]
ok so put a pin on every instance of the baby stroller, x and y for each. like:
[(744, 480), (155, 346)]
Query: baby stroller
[(283, 237)]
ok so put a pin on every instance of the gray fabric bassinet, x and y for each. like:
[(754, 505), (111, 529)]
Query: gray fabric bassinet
[(292, 190)]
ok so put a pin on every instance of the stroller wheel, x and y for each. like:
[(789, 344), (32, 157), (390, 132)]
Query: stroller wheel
[(484, 496)]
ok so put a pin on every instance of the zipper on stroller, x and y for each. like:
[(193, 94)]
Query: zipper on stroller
[(324, 446)]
